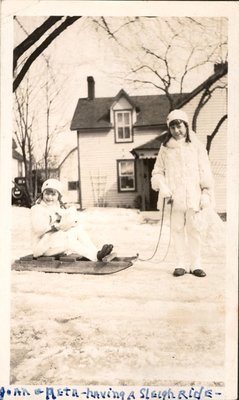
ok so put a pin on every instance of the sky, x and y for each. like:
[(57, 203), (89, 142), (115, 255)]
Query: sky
[(85, 50)]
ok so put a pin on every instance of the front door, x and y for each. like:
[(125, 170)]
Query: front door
[(149, 196)]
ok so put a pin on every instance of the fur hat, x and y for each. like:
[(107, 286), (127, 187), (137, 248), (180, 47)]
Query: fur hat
[(52, 184), (177, 114)]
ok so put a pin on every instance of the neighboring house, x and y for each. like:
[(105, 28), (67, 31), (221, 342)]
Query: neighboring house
[(17, 162), (118, 139)]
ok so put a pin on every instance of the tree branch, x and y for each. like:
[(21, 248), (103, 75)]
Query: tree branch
[(33, 38), (68, 21), (213, 134)]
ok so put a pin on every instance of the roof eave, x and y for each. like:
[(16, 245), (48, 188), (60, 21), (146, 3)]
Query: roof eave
[(154, 126), (205, 84), (98, 129)]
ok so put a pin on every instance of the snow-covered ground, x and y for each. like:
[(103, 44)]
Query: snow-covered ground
[(138, 326)]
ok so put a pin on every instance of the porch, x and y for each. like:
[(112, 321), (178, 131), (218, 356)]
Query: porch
[(145, 156)]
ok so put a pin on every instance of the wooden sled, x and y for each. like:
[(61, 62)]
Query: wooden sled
[(72, 264)]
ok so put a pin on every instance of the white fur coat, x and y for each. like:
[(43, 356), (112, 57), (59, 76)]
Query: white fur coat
[(48, 235), (183, 169)]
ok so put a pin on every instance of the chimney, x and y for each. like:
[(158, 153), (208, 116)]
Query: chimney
[(91, 87)]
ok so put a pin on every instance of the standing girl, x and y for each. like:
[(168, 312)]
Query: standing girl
[(182, 172), (56, 229)]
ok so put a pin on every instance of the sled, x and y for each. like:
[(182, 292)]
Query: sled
[(73, 264)]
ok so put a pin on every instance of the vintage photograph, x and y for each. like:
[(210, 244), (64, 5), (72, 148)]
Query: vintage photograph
[(119, 201)]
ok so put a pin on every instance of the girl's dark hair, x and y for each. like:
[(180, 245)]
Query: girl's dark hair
[(169, 135), (39, 199)]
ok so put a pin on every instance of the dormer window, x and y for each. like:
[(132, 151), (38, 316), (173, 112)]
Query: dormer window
[(123, 126)]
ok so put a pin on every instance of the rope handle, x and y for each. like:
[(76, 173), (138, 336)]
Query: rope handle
[(170, 201)]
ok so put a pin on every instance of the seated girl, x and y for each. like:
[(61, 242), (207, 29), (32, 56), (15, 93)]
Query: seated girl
[(56, 229)]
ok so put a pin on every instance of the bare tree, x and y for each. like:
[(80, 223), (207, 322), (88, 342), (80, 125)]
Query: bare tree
[(51, 94), (27, 138), (48, 136), (183, 46), (32, 39), (23, 133)]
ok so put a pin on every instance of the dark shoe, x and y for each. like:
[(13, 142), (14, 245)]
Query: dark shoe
[(179, 272), (199, 272), (106, 249)]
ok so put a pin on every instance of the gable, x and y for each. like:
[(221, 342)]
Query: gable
[(122, 104)]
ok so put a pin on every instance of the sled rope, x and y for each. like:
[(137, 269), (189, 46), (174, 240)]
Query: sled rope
[(160, 233)]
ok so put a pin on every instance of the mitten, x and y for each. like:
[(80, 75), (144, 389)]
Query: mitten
[(204, 201), (155, 183)]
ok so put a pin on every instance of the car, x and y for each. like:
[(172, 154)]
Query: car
[(19, 192)]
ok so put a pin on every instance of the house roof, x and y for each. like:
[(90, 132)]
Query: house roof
[(152, 110), (152, 145), (95, 114), (64, 159), (16, 155), (91, 114)]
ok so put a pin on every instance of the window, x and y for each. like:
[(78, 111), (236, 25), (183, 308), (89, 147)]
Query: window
[(73, 185), (123, 126), (126, 175)]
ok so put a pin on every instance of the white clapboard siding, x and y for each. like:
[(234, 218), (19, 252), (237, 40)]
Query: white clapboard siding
[(68, 173), (99, 154), (98, 164), (207, 121)]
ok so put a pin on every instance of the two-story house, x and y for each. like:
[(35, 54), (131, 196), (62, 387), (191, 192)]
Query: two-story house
[(118, 139)]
